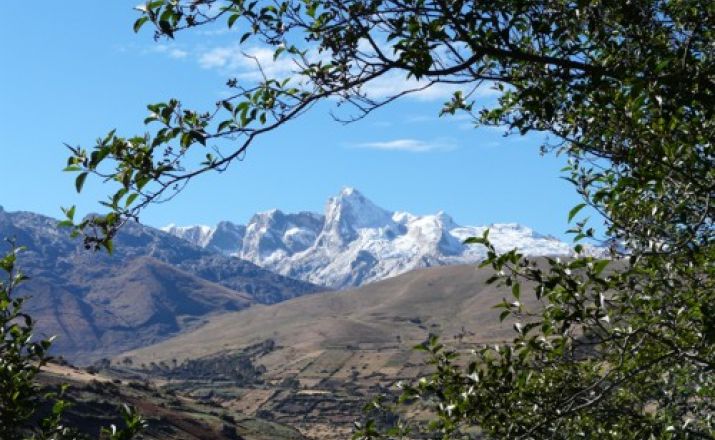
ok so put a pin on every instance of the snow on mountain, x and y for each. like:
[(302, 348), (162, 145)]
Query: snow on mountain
[(356, 242), (273, 236), (199, 234)]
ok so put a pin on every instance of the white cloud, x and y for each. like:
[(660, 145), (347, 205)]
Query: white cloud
[(411, 145), (394, 83), (170, 51), (178, 54), (243, 63)]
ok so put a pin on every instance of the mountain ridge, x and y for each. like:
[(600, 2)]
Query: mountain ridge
[(355, 242), (152, 286)]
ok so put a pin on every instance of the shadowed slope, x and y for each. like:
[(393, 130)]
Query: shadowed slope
[(131, 305), (153, 286)]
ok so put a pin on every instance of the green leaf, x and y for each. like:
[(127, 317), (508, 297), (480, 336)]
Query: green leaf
[(503, 315), (232, 19), (69, 212), (79, 182), (599, 265), (139, 23), (224, 125), (516, 290), (7, 263), (278, 52), (130, 199), (166, 28), (575, 211)]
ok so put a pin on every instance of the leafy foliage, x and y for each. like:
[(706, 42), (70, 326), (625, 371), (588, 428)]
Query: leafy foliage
[(621, 347), (21, 400)]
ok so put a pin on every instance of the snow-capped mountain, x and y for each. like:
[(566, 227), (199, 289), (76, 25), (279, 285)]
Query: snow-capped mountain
[(356, 242)]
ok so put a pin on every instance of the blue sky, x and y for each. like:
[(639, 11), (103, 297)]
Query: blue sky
[(74, 70)]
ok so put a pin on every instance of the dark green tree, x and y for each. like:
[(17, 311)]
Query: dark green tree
[(625, 89)]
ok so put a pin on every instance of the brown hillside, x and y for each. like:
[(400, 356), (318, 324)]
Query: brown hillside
[(335, 351), (134, 304), (443, 300)]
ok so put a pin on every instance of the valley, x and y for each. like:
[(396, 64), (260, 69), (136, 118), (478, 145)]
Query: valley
[(245, 349), (331, 353), (95, 399)]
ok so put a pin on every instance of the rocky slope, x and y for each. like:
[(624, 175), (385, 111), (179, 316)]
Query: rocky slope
[(355, 242)]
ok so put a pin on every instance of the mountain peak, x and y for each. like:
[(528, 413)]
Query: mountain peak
[(356, 241), (350, 209), (446, 220), (349, 191), (271, 212), (266, 216), (351, 196), (197, 234)]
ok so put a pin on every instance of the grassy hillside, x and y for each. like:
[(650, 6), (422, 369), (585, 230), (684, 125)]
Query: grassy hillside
[(443, 300), (333, 351)]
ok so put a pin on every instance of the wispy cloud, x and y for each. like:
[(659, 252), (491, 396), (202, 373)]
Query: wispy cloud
[(410, 145), (395, 83), (246, 63), (243, 62), (178, 53), (169, 50)]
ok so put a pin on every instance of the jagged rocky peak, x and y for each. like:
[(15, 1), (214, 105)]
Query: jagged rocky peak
[(350, 214), (197, 234), (263, 234), (446, 220), (355, 241), (274, 234), (353, 209), (227, 237)]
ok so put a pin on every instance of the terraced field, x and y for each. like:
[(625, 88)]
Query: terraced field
[(96, 399)]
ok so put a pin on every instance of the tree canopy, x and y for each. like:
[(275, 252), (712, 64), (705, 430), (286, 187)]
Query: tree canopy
[(625, 89)]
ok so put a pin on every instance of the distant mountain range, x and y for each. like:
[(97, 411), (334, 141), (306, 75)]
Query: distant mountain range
[(154, 285), (157, 285), (356, 242)]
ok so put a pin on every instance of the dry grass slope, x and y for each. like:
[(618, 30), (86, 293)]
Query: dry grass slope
[(443, 300), (334, 351)]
